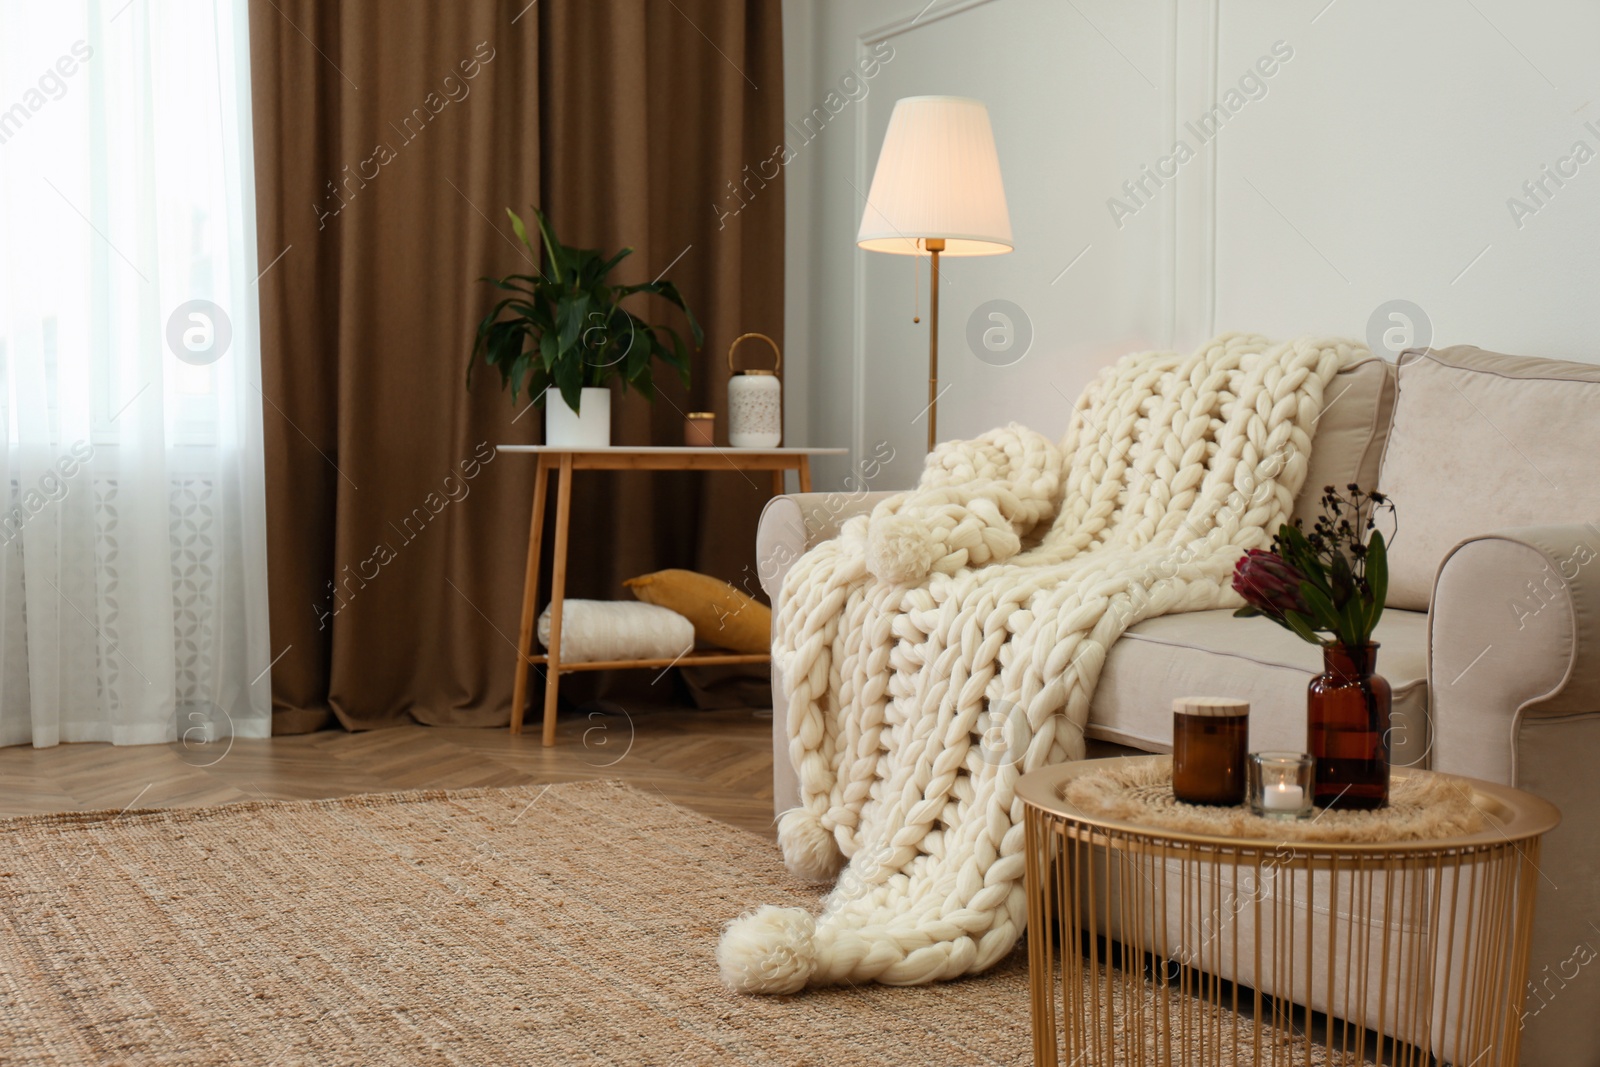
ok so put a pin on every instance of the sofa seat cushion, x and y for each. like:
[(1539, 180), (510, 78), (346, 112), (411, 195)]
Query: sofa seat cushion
[(1211, 653)]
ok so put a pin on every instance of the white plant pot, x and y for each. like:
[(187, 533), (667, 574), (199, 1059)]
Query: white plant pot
[(588, 427)]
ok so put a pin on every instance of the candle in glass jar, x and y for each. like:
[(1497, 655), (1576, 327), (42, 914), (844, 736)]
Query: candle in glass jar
[(1280, 784), (1209, 737), (1281, 796)]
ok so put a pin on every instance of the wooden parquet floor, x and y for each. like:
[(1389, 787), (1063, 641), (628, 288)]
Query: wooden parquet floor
[(715, 762)]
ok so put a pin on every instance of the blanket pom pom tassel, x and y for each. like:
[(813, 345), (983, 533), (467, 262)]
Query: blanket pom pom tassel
[(809, 850), (900, 549), (769, 950)]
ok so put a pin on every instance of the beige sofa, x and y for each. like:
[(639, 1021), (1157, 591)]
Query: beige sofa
[(1491, 640)]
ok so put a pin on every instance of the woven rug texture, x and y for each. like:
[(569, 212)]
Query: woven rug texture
[(565, 924)]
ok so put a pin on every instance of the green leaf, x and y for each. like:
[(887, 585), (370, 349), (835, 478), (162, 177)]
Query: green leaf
[(645, 383), (676, 355), (480, 342), (1323, 612), (538, 383), (609, 265), (1299, 554), (1353, 630), (669, 292), (504, 348), (1295, 538), (569, 380), (522, 233), (570, 323), (494, 313), (681, 357), (1377, 576), (552, 245), (1342, 579), (641, 345), (519, 371), (509, 283), (1298, 623)]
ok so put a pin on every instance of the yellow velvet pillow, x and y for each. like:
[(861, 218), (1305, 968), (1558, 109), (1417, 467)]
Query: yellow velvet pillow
[(721, 614)]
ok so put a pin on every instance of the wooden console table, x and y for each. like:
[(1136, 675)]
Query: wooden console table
[(563, 461)]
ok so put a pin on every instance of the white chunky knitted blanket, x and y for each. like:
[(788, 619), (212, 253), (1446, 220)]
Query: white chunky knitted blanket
[(950, 642)]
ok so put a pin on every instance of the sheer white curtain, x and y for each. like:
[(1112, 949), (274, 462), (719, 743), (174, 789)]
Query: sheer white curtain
[(132, 548)]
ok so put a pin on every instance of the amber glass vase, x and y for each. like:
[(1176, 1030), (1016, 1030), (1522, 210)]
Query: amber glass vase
[(1347, 708)]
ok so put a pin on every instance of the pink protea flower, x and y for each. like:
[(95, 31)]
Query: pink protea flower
[(1268, 584)]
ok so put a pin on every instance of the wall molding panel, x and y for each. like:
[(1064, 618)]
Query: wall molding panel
[(1362, 170)]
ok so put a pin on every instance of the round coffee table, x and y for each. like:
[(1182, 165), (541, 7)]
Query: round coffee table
[(1184, 947)]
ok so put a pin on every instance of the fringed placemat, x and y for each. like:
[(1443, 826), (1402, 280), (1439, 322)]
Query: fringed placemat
[(1422, 807)]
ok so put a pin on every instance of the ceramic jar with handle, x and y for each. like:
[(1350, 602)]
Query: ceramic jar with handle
[(755, 400)]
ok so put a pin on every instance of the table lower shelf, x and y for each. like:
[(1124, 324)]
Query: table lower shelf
[(693, 659)]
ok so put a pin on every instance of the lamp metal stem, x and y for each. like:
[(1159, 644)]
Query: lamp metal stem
[(934, 245)]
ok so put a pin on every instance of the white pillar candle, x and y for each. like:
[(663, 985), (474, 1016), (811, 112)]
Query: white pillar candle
[(1281, 796)]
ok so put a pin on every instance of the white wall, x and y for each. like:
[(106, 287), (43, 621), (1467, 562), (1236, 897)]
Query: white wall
[(1373, 164)]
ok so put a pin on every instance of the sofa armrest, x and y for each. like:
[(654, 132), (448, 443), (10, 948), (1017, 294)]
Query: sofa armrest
[(1513, 633), (1514, 642), (790, 525)]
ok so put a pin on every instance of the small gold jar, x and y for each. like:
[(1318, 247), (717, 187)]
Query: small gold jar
[(700, 429)]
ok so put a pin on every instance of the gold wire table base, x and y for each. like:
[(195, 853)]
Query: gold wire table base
[(1154, 947)]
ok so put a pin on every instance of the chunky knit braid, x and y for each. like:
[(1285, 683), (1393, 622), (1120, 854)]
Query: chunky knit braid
[(974, 504), (947, 644)]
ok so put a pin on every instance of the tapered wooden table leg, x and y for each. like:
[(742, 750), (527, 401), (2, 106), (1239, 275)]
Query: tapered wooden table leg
[(777, 483), (530, 598), (805, 474), (558, 593)]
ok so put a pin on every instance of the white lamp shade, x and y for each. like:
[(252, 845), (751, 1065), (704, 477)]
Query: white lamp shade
[(938, 176)]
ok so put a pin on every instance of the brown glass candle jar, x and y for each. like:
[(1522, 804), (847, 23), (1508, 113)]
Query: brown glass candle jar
[(1210, 740)]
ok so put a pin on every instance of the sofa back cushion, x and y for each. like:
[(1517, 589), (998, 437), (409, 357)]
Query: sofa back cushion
[(1484, 442), (1349, 439)]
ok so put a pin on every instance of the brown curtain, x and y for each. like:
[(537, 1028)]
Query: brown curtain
[(389, 139)]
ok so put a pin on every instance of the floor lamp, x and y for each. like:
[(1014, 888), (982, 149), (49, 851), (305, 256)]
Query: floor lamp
[(937, 190)]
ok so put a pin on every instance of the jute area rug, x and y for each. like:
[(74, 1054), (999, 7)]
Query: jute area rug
[(563, 924)]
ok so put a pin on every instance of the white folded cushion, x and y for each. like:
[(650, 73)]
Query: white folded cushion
[(597, 630)]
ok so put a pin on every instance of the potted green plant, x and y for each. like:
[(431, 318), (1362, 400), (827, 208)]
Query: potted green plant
[(566, 329), (1333, 581)]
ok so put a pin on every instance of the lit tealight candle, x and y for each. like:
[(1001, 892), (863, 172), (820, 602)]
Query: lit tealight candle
[(1282, 796), (1281, 784)]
